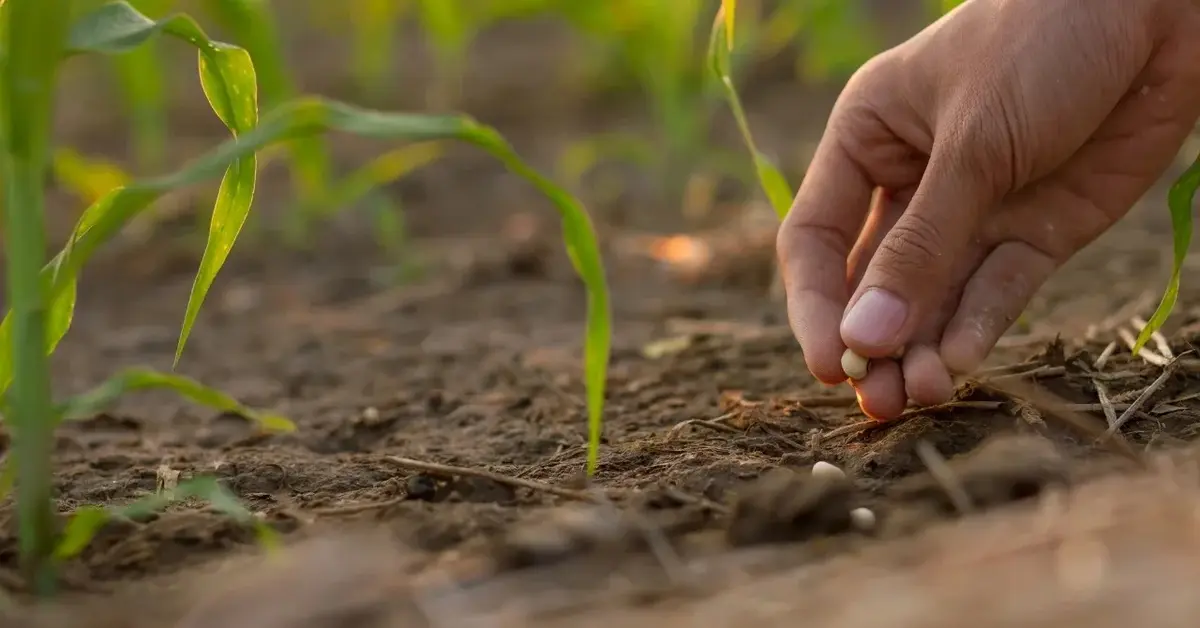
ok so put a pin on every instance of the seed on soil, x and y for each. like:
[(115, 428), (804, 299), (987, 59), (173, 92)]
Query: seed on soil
[(863, 518), (823, 469), (783, 506), (854, 365)]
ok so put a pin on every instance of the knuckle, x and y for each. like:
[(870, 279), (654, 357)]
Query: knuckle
[(912, 248), (867, 88), (877, 68), (981, 138)]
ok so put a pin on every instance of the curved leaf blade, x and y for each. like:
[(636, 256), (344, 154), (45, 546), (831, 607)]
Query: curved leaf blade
[(1179, 201), (383, 170), (309, 116), (230, 83), (87, 521), (135, 379), (770, 179)]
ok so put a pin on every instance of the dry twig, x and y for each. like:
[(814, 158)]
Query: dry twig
[(944, 476), (1105, 355), (507, 480), (717, 424), (1110, 413), (1142, 398), (1071, 415), (353, 509)]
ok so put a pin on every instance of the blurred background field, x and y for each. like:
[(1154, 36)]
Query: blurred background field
[(613, 97)]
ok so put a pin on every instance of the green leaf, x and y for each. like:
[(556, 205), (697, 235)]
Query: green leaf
[(134, 379), (729, 12), (253, 26), (140, 75), (80, 530), (88, 179), (374, 24), (772, 181), (448, 25), (838, 39), (89, 520), (309, 116), (1179, 201), (383, 170), (581, 157), (230, 84), (950, 5)]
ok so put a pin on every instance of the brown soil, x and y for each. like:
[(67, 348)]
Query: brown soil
[(704, 511)]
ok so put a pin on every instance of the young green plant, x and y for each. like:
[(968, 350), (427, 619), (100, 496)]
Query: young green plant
[(774, 184), (653, 43), (36, 37), (373, 43)]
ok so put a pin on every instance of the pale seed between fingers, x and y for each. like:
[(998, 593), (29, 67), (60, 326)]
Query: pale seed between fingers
[(854, 365)]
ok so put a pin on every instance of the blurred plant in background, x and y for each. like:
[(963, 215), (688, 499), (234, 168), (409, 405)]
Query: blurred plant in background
[(660, 45), (656, 48)]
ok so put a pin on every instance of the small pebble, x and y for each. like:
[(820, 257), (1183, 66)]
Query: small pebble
[(863, 518), (421, 487), (824, 469)]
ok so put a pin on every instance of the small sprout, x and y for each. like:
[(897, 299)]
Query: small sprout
[(823, 469), (863, 519), (854, 365)]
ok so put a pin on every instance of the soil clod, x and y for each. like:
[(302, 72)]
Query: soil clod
[(785, 506), (1001, 470)]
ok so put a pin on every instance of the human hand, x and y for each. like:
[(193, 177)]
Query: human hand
[(961, 168)]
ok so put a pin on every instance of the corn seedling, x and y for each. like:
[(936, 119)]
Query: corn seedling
[(373, 42), (251, 25), (655, 43), (35, 37), (89, 520), (837, 36), (451, 27), (144, 92), (720, 45)]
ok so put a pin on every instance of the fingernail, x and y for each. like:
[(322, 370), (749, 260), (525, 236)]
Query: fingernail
[(875, 319)]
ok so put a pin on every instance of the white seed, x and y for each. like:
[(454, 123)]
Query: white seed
[(826, 470), (863, 518), (854, 365)]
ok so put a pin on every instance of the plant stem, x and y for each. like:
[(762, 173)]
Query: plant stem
[(33, 43), (30, 393)]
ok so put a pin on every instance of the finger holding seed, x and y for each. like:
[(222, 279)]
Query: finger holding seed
[(881, 393)]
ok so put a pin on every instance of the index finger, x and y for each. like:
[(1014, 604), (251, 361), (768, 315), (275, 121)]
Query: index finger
[(814, 244)]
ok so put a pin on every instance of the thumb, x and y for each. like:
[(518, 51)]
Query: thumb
[(910, 273)]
